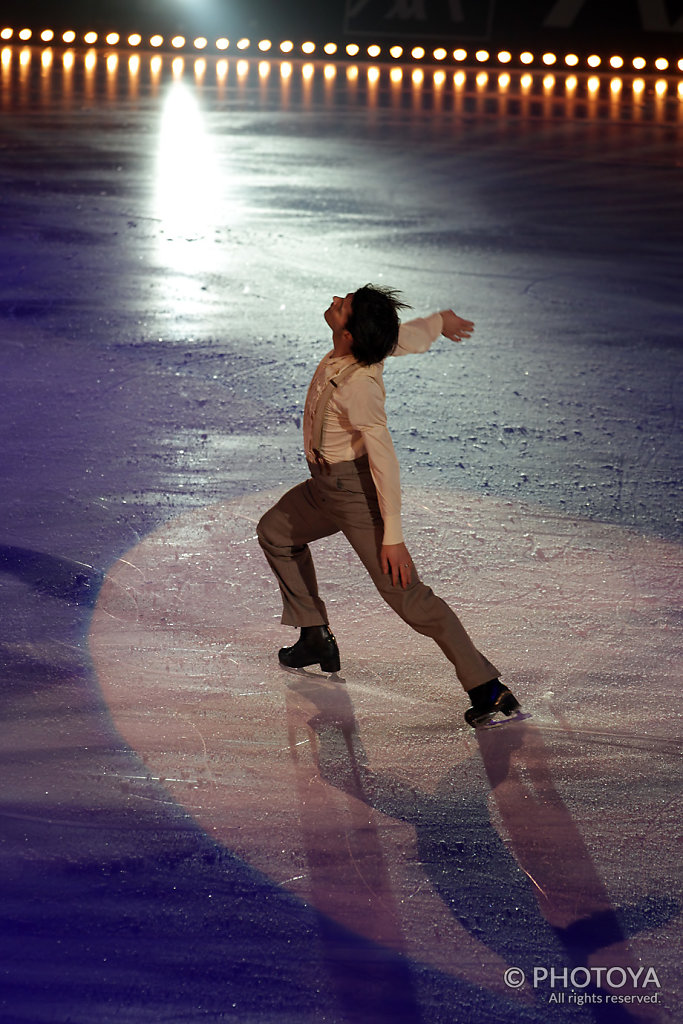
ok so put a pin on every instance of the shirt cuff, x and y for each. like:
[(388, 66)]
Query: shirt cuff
[(435, 324), (393, 533), (418, 335)]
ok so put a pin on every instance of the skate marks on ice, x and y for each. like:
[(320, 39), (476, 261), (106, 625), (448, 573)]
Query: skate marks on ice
[(365, 794)]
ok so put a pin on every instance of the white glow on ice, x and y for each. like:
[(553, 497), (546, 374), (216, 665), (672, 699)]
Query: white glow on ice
[(188, 189)]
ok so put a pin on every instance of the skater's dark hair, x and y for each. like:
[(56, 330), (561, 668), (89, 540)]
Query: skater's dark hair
[(373, 323)]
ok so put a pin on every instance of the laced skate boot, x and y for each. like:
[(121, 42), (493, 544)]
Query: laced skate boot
[(488, 700), (316, 646)]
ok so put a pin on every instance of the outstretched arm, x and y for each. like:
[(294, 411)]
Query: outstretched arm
[(419, 335)]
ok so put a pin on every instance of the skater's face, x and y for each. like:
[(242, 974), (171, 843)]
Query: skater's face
[(338, 313)]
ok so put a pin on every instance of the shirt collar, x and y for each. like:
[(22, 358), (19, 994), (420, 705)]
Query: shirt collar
[(339, 361)]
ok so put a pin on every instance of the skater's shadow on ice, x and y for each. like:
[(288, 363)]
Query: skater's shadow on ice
[(534, 897), (62, 578)]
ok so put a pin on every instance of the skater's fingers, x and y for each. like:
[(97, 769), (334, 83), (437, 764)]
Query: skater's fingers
[(406, 576), (395, 571), (394, 558), (455, 327)]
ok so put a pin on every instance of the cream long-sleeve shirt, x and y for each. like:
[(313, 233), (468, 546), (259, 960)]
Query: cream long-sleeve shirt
[(355, 421)]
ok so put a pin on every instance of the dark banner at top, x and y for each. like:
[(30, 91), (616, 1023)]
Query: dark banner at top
[(415, 18), (598, 20), (639, 26)]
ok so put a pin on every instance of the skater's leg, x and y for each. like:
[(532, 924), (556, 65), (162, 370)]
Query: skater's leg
[(357, 513), (426, 613), (284, 533)]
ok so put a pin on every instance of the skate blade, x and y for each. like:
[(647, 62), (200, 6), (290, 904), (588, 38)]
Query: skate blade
[(497, 719), (312, 671)]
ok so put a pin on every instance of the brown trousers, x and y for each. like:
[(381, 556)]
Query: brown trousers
[(345, 499)]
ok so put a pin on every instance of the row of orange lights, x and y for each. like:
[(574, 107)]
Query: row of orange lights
[(504, 80), (178, 42)]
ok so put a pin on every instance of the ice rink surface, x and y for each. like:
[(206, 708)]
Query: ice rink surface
[(190, 833)]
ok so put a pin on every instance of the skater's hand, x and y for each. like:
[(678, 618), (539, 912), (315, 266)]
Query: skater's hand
[(454, 327), (396, 560)]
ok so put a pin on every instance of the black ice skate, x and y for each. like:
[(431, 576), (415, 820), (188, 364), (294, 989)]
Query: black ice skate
[(315, 646), (488, 700)]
